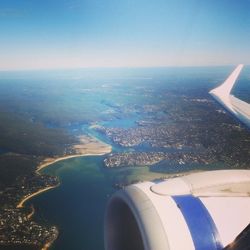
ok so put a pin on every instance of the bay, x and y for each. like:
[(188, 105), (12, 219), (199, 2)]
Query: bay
[(77, 206)]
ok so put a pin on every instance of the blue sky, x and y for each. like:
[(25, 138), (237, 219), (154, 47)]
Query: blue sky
[(115, 33)]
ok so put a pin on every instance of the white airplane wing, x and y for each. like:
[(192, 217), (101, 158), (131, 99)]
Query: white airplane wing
[(240, 106), (237, 107)]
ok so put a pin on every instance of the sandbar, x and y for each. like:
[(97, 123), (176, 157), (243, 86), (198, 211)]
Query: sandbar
[(87, 146)]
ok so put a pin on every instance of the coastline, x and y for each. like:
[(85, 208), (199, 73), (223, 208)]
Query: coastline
[(49, 161), (29, 216), (89, 146), (46, 163), (47, 246), (21, 203), (93, 147)]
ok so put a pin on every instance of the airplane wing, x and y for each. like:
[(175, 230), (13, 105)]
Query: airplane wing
[(240, 106), (237, 107)]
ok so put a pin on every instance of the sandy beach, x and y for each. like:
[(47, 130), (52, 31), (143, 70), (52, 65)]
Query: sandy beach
[(21, 203), (87, 146), (29, 216), (46, 246)]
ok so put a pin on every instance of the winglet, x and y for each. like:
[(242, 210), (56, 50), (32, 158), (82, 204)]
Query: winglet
[(225, 88), (222, 93), (237, 107)]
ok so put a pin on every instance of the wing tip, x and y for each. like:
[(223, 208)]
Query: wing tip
[(233, 76)]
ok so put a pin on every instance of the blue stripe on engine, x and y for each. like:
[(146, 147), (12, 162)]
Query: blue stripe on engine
[(201, 225)]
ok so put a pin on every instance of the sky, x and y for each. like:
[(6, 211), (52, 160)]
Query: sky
[(40, 34)]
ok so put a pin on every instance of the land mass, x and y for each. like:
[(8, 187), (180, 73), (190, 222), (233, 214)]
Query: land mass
[(135, 159), (196, 130)]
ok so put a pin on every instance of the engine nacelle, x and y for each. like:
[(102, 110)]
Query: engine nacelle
[(204, 211)]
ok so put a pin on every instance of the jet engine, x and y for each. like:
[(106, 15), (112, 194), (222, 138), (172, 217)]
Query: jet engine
[(202, 211)]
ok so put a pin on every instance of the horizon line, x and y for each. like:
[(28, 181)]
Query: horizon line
[(118, 67)]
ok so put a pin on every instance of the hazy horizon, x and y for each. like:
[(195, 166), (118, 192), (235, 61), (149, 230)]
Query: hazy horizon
[(120, 67)]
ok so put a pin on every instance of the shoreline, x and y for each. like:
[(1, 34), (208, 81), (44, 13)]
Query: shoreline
[(50, 162), (29, 216), (21, 203), (47, 246), (47, 163), (89, 147)]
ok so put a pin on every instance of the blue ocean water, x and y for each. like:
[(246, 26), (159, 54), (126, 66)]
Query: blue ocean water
[(77, 205)]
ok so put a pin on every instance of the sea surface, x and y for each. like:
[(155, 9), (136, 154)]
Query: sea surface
[(77, 206)]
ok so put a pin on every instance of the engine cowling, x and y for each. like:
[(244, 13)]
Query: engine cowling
[(205, 211)]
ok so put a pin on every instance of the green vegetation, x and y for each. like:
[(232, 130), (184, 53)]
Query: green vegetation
[(14, 166), (22, 136)]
